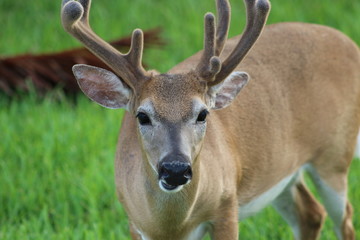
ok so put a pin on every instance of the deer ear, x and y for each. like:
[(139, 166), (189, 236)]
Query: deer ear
[(102, 86), (224, 93)]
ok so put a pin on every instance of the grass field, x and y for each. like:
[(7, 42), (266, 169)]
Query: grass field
[(56, 157)]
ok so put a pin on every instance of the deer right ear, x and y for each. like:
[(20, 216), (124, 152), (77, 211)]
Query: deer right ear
[(223, 94), (102, 86)]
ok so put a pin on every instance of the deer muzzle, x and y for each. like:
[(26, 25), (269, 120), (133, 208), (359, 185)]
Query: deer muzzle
[(174, 172)]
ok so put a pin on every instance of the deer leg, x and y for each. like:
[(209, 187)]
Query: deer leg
[(332, 187), (226, 225), (301, 211)]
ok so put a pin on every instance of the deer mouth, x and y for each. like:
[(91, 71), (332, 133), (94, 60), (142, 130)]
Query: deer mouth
[(169, 188)]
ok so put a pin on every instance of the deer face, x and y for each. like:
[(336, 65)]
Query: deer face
[(172, 125), (171, 112)]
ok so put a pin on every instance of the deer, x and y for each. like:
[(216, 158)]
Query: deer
[(195, 157)]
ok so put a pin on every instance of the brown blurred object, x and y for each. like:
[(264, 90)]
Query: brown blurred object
[(47, 71)]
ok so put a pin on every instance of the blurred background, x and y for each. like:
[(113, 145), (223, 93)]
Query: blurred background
[(57, 150)]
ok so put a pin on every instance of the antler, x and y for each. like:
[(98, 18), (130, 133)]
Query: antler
[(75, 20), (210, 66), (223, 9)]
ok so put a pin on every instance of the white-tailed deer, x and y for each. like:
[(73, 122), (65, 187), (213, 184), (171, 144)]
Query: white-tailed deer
[(183, 169)]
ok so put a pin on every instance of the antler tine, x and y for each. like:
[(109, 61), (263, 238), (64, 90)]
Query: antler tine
[(257, 13), (137, 46), (209, 64), (128, 66), (223, 10), (86, 5), (214, 40)]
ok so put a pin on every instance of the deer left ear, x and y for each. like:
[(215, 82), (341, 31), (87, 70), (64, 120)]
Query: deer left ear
[(224, 93), (102, 86)]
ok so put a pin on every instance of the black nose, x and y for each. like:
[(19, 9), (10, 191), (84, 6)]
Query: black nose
[(175, 173)]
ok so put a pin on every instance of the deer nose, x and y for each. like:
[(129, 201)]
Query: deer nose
[(174, 173)]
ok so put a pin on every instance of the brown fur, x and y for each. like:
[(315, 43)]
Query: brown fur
[(310, 213), (175, 92), (302, 102)]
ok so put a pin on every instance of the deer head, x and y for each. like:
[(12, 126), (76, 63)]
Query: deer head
[(171, 109)]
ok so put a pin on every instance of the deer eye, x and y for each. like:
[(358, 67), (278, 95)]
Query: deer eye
[(143, 118), (202, 116)]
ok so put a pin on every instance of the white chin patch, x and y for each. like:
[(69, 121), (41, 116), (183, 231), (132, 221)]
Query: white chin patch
[(169, 189)]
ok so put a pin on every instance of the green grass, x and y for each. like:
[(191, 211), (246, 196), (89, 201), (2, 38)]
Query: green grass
[(56, 157), (57, 172)]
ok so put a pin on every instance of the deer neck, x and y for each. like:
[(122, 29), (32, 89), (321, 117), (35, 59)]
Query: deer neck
[(171, 210)]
